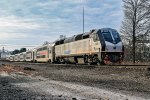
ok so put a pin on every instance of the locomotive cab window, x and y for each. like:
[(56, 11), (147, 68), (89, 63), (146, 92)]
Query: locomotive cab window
[(107, 36), (116, 36)]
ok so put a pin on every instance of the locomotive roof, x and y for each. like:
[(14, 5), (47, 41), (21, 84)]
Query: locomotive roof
[(106, 29), (70, 39), (86, 33), (79, 36)]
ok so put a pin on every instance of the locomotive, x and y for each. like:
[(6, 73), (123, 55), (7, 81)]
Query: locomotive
[(99, 46)]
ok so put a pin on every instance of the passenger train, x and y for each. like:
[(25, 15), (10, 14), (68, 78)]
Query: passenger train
[(99, 46)]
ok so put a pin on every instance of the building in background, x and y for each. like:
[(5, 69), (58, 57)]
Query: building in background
[(4, 53)]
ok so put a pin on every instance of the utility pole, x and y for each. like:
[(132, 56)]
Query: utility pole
[(83, 18), (83, 3), (3, 49)]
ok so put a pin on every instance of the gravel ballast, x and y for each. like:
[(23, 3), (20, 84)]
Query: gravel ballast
[(46, 82)]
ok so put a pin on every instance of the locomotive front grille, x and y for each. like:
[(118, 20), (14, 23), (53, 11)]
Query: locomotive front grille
[(112, 57)]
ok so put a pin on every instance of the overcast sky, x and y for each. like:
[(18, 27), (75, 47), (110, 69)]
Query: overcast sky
[(31, 22)]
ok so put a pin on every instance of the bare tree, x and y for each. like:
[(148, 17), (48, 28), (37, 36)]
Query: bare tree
[(136, 23), (46, 43)]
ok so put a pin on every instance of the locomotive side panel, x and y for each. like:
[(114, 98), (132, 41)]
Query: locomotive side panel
[(78, 47), (81, 50), (75, 48)]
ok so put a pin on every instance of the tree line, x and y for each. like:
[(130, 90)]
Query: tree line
[(135, 27), (16, 51)]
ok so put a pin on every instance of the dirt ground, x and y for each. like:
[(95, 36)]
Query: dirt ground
[(44, 81)]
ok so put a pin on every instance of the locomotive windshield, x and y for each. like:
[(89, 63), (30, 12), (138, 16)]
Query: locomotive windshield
[(107, 36), (111, 36), (116, 36)]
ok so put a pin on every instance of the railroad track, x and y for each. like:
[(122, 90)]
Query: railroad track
[(80, 64), (117, 67)]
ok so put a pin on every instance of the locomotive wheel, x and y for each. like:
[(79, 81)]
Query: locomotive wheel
[(86, 59), (76, 60), (98, 62), (66, 62), (61, 61), (57, 60), (49, 61), (95, 60)]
